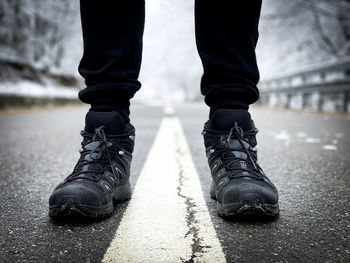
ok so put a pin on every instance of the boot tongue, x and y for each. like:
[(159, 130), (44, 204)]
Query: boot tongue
[(224, 120), (112, 121)]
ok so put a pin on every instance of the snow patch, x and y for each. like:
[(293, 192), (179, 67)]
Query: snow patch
[(329, 147), (338, 135), (312, 140), (301, 134), (36, 90), (282, 135)]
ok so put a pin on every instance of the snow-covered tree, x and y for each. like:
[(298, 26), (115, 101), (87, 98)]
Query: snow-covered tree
[(33, 32), (302, 32)]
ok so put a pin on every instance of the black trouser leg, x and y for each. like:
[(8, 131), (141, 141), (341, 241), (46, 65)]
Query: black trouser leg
[(226, 35), (112, 34)]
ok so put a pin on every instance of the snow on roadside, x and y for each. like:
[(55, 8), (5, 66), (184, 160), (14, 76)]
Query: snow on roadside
[(37, 90)]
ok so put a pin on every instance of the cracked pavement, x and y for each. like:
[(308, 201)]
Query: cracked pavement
[(306, 155)]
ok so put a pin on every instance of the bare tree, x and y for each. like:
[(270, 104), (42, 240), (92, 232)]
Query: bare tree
[(330, 19), (32, 31)]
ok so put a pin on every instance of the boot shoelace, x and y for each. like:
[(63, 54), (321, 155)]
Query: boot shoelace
[(225, 151), (98, 156)]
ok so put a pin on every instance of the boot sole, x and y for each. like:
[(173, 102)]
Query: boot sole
[(252, 209), (248, 209), (74, 209)]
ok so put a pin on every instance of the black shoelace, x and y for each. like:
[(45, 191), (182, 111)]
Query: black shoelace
[(98, 157), (223, 148)]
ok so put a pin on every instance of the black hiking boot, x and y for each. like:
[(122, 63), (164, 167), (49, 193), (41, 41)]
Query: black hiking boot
[(239, 185), (101, 175)]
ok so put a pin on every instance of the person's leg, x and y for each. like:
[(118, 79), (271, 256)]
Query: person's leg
[(112, 34), (226, 35)]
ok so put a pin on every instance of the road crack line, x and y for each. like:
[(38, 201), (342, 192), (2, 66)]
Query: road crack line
[(191, 221)]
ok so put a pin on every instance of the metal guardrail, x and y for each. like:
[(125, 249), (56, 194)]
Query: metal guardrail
[(323, 88)]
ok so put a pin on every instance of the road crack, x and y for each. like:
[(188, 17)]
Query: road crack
[(191, 220)]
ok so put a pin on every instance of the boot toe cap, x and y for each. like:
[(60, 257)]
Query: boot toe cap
[(249, 192), (76, 193)]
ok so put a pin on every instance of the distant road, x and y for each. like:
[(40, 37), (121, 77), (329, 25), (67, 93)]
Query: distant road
[(306, 155)]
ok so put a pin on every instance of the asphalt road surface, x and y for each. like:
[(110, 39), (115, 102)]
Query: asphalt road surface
[(306, 155)]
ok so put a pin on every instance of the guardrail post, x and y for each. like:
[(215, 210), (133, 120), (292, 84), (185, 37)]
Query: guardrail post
[(320, 102), (346, 101), (289, 96), (303, 100)]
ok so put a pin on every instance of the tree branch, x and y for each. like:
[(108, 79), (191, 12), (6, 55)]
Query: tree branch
[(318, 25)]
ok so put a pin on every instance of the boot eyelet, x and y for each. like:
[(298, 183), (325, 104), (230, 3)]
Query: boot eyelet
[(121, 152), (112, 178), (108, 188)]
